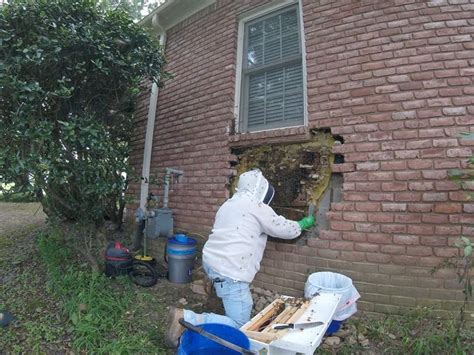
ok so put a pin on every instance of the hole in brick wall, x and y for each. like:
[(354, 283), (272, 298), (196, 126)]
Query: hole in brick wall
[(301, 174), (339, 138), (332, 194), (338, 159)]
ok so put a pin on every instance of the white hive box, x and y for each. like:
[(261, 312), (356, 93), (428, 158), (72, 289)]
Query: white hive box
[(267, 341)]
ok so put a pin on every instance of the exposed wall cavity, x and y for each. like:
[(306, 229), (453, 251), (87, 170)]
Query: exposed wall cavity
[(300, 173)]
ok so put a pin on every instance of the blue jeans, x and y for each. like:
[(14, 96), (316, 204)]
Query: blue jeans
[(236, 298)]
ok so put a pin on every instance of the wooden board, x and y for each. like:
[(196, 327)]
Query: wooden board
[(279, 311), (273, 309)]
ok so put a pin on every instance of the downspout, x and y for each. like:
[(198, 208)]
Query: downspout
[(150, 124), (140, 214)]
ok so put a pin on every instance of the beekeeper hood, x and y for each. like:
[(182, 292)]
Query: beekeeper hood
[(254, 184)]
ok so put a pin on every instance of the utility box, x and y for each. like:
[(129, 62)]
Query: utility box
[(160, 224)]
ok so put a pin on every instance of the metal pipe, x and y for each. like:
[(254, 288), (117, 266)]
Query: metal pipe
[(150, 126), (169, 172)]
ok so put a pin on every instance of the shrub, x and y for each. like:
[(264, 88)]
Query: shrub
[(69, 74)]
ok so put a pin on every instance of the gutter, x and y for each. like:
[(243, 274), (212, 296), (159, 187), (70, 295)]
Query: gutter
[(150, 126)]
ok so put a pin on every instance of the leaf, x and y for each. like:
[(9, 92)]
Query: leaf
[(468, 251), (467, 135), (466, 241), (74, 318)]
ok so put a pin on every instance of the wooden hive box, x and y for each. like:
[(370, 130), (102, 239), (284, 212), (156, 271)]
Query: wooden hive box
[(266, 340)]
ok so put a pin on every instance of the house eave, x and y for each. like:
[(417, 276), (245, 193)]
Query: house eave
[(172, 12)]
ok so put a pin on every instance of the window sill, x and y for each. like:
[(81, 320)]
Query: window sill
[(281, 135)]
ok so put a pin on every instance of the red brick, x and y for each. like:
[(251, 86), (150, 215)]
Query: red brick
[(393, 249), (421, 186), (393, 165), (459, 196), (407, 175), (341, 245), (448, 208), (417, 144), (407, 218), (419, 251), (459, 152), (433, 241), (367, 227), (327, 253), (354, 256), (435, 218), (407, 196), (378, 258), (368, 166), (434, 174), (354, 236), (367, 207), (394, 186), (366, 247), (330, 235), (404, 260), (420, 164), (342, 226), (393, 228), (435, 196), (406, 239), (420, 207), (448, 230), (380, 217), (420, 229)]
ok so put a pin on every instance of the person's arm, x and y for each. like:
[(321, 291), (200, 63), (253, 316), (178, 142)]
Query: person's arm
[(276, 226)]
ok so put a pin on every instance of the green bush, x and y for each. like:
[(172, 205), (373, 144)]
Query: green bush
[(69, 76)]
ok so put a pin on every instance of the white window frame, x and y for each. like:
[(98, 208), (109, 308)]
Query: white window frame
[(252, 15)]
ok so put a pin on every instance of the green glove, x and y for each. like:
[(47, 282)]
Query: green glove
[(306, 222)]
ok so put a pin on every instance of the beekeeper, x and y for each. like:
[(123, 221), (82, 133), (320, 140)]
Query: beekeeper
[(231, 256)]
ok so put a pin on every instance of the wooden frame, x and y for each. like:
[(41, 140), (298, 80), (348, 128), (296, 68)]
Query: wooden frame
[(281, 310)]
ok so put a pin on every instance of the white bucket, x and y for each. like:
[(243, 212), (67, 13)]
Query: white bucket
[(330, 282)]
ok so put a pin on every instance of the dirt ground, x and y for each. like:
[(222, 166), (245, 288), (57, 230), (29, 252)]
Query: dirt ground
[(19, 216)]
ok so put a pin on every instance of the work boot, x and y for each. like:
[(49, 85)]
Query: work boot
[(174, 328)]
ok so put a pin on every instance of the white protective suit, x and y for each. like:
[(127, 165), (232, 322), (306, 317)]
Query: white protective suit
[(239, 235)]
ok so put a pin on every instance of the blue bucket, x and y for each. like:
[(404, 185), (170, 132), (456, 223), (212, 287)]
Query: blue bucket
[(192, 343), (180, 254), (333, 327)]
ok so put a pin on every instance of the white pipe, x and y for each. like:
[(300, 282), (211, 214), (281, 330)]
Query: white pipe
[(150, 126)]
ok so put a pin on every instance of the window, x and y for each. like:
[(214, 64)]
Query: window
[(272, 88)]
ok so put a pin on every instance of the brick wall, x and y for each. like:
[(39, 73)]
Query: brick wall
[(394, 79)]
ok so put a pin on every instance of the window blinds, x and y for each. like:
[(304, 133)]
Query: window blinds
[(273, 72)]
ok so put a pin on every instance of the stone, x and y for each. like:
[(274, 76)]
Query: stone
[(351, 340), (343, 333), (332, 341), (198, 287), (268, 293), (183, 301)]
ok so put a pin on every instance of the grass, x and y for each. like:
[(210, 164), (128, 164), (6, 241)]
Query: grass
[(17, 197), (62, 306), (418, 333), (101, 311)]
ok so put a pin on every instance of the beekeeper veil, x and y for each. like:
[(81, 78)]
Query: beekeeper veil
[(254, 184)]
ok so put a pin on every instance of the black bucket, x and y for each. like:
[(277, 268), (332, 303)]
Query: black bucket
[(118, 260)]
